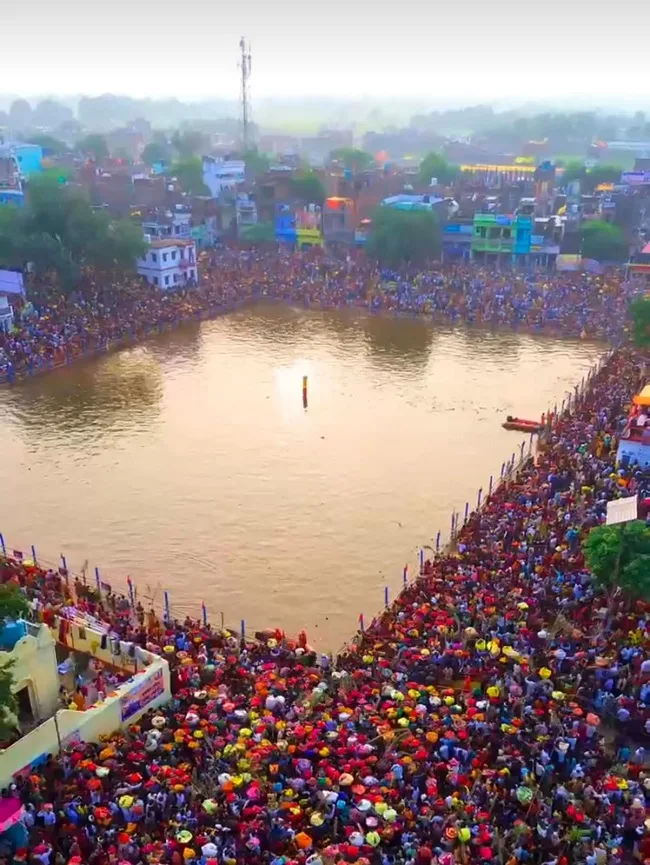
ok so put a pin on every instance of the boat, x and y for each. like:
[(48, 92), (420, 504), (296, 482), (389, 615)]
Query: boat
[(522, 425)]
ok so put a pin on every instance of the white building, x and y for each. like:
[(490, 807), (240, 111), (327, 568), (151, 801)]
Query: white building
[(6, 314), (221, 175), (170, 263), (34, 671)]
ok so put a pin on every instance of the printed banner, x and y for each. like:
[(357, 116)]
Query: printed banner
[(142, 695)]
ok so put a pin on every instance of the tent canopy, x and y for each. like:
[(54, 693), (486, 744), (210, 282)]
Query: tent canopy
[(643, 398), (11, 282)]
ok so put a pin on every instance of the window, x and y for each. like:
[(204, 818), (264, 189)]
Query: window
[(494, 233), (506, 233), (173, 255), (164, 256), (192, 274), (155, 280), (480, 231), (154, 257), (175, 277), (166, 280)]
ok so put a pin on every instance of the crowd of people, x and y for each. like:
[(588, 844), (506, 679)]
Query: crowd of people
[(53, 328), (497, 712)]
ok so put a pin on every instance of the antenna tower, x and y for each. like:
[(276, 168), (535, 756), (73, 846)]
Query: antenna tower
[(245, 66)]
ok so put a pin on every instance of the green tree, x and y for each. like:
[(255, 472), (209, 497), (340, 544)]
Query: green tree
[(8, 705), (94, 145), (155, 151), (190, 142), (352, 158), (602, 174), (574, 170), (403, 236), (308, 187), (435, 165), (263, 233), (257, 163), (59, 232), (51, 146), (13, 605), (640, 315), (189, 173), (603, 241), (619, 557)]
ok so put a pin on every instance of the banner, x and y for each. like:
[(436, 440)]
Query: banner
[(143, 694)]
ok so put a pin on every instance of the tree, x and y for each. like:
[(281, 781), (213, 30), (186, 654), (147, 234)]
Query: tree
[(8, 704), (619, 557), (50, 145), (603, 241), (49, 114), (155, 151), (13, 604), (601, 174), (20, 114), (94, 145), (308, 187), (190, 142), (640, 315), (263, 233), (257, 163), (352, 158), (573, 170), (435, 165), (59, 232), (189, 173), (403, 236)]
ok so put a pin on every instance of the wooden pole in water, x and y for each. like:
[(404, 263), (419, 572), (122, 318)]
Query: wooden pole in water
[(304, 391)]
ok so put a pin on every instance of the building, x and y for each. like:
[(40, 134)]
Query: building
[(501, 238), (246, 211), (406, 201), (316, 149), (457, 240), (223, 175), (31, 650), (6, 314), (160, 224), (28, 157), (339, 220), (11, 187), (298, 225), (169, 263)]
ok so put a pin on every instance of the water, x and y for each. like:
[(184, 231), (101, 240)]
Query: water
[(189, 462)]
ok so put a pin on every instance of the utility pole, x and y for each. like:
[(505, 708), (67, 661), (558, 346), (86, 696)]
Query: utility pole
[(245, 65)]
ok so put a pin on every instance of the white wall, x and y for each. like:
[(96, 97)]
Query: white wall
[(34, 659), (85, 726)]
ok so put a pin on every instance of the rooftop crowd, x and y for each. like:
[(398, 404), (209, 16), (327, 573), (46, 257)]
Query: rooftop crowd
[(53, 328), (497, 712)]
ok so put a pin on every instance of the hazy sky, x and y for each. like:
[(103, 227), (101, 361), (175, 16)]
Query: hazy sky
[(439, 49)]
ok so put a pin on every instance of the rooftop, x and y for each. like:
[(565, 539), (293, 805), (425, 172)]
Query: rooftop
[(170, 241)]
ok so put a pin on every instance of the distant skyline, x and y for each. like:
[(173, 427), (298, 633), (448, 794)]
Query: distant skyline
[(413, 50)]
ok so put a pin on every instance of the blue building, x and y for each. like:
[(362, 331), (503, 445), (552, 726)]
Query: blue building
[(28, 157)]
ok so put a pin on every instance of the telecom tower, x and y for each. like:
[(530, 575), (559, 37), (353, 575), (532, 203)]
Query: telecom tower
[(245, 65)]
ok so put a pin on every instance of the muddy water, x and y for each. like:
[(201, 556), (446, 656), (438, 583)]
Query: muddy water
[(190, 463)]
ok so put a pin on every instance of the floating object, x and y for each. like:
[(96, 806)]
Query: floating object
[(521, 424)]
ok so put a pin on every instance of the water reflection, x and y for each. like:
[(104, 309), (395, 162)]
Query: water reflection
[(94, 394), (190, 459)]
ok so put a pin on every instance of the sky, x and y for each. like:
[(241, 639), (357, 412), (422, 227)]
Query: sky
[(440, 50)]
